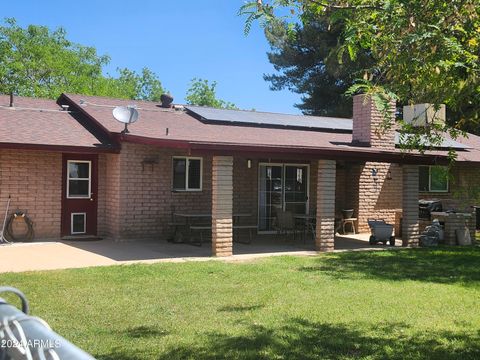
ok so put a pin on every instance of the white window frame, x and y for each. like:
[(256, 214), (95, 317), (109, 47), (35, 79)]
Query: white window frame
[(84, 223), (187, 161), (430, 182), (84, 179)]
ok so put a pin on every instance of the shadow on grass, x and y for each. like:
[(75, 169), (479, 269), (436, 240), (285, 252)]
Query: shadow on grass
[(144, 331), (302, 339), (140, 333), (240, 308), (440, 265)]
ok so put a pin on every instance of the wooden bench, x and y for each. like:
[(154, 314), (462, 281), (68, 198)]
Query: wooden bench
[(245, 227), (199, 228), (177, 236), (202, 228)]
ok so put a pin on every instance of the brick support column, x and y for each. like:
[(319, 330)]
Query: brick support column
[(325, 233), (410, 230), (222, 205)]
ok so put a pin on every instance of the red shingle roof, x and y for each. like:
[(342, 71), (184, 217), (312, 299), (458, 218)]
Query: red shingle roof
[(41, 122), (154, 121)]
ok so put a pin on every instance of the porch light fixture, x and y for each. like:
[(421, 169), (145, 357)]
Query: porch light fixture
[(389, 175), (249, 163), (374, 176)]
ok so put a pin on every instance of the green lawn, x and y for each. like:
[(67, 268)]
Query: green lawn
[(407, 304)]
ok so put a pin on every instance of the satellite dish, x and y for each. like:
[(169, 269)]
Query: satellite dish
[(126, 115)]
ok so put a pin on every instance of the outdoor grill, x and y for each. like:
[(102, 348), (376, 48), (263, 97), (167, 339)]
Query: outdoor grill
[(426, 207)]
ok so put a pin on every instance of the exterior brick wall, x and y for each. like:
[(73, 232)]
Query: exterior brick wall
[(352, 182), (463, 188), (464, 192), (378, 197), (374, 196), (368, 198), (356, 182), (140, 200), (111, 172), (245, 184), (145, 206), (101, 196), (135, 199), (33, 179), (340, 189)]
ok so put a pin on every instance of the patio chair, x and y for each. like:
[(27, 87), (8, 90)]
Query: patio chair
[(176, 236), (285, 223), (306, 227)]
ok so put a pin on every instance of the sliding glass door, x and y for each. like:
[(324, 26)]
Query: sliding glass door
[(296, 189), (281, 187), (270, 195)]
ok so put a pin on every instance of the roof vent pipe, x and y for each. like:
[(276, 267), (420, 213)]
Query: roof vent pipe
[(11, 100), (166, 100)]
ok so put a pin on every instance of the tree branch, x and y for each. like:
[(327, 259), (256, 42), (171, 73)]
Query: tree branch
[(341, 7)]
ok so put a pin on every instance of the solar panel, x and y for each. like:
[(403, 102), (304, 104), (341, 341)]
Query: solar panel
[(265, 119), (289, 121), (446, 143)]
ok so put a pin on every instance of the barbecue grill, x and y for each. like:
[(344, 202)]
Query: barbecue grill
[(426, 207)]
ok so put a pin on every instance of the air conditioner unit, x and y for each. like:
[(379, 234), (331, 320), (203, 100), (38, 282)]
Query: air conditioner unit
[(423, 114)]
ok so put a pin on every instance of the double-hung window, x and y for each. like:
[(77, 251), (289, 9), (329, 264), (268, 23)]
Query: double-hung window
[(187, 174), (433, 179)]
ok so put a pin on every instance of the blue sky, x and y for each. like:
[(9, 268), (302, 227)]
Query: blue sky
[(179, 40)]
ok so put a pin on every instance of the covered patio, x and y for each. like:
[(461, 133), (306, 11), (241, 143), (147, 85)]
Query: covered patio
[(368, 175), (246, 198)]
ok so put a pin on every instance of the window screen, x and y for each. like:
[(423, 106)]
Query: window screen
[(438, 178), (424, 178), (194, 174), (433, 179), (187, 174), (179, 174)]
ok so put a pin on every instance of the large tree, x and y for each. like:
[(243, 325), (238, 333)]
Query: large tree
[(203, 93), (36, 61), (303, 59), (421, 51)]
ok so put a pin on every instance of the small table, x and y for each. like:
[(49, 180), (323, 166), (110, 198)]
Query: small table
[(236, 217), (304, 217), (350, 221), (189, 216), (187, 233)]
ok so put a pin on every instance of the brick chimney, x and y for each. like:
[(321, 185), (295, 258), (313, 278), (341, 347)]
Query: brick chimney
[(367, 124)]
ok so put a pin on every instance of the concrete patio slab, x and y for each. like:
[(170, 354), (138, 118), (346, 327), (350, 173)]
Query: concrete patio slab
[(21, 257)]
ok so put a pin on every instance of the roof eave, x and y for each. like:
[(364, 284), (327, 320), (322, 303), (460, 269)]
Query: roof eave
[(60, 148), (367, 154), (88, 121)]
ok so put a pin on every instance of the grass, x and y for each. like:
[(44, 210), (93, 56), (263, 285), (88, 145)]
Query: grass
[(407, 304)]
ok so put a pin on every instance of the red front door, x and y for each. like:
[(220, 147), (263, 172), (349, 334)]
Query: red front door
[(79, 194)]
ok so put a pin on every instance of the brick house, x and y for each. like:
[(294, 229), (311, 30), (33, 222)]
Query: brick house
[(70, 167)]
